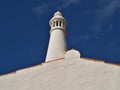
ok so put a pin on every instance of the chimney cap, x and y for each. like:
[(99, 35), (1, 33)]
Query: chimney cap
[(57, 15)]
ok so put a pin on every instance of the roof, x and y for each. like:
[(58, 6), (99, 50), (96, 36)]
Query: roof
[(91, 59)]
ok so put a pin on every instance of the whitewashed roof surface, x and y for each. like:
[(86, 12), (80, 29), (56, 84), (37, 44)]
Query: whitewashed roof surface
[(68, 73)]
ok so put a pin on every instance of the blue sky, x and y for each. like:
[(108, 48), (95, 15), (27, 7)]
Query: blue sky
[(93, 29)]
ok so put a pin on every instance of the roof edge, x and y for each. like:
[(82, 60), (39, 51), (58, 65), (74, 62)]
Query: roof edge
[(91, 59)]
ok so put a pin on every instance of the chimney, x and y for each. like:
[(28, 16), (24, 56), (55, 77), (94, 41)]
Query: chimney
[(57, 43)]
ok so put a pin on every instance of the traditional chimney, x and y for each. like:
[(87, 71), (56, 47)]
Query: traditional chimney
[(57, 42)]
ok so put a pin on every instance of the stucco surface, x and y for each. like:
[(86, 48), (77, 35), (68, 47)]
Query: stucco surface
[(57, 45), (70, 73)]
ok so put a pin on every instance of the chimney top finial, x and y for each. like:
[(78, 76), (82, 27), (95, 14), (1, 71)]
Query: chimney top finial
[(58, 13)]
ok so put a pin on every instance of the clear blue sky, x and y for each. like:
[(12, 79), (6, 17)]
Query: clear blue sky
[(93, 29)]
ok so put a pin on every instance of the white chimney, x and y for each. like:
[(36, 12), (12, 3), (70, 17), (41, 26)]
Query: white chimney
[(57, 42)]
